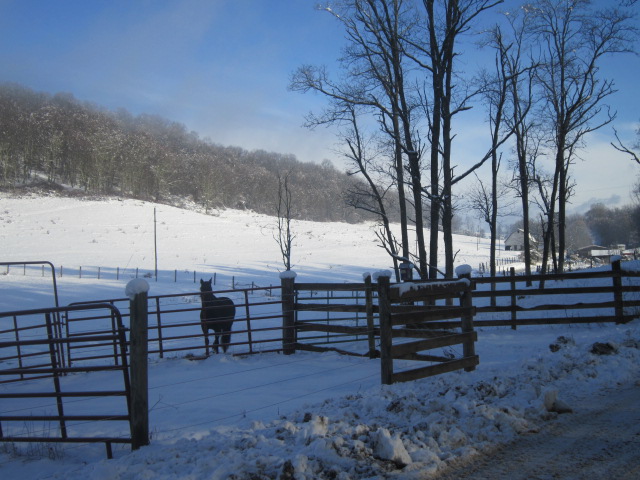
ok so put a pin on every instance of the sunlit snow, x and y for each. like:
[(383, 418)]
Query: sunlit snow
[(308, 415)]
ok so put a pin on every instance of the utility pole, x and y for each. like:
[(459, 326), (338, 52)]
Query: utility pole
[(155, 242)]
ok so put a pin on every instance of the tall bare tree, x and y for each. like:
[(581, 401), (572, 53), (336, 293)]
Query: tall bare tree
[(445, 21), (284, 210), (574, 36), (375, 61), (372, 196), (519, 70)]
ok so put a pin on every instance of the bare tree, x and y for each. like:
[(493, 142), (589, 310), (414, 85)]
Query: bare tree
[(495, 93), (520, 72), (284, 209), (633, 151), (372, 196), (444, 22), (377, 79), (490, 203), (573, 38)]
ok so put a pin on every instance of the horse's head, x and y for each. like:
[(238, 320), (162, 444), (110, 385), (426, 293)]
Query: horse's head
[(205, 285)]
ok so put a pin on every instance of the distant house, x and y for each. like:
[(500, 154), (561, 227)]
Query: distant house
[(604, 254), (589, 250), (515, 241)]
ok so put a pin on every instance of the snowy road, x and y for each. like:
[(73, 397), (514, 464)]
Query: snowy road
[(600, 440)]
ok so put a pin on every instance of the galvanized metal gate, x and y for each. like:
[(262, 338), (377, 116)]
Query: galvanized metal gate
[(34, 349)]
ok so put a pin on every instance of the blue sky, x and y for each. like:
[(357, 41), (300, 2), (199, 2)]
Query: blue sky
[(219, 66), (222, 68)]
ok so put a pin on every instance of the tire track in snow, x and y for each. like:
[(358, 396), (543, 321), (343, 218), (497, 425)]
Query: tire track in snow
[(600, 440)]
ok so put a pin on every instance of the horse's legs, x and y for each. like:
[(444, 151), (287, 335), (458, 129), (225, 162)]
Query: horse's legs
[(216, 342), (226, 338), (206, 341)]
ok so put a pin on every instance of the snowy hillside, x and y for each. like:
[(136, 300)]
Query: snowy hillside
[(269, 416)]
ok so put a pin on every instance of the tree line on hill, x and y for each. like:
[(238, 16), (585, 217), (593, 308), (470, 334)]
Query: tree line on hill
[(61, 140)]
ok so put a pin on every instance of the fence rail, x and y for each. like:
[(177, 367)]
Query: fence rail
[(610, 296), (30, 269), (329, 314)]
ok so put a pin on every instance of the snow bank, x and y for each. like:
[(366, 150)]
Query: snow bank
[(403, 431)]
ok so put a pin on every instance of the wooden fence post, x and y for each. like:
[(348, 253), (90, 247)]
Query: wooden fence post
[(512, 272), (137, 290), (384, 304), (247, 312), (466, 302), (616, 277), (371, 334), (287, 280)]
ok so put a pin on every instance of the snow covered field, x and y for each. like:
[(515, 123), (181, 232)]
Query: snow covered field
[(270, 416)]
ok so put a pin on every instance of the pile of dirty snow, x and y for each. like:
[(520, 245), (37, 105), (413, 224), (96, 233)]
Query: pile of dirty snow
[(399, 431)]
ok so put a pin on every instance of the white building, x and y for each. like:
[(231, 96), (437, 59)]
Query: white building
[(515, 241)]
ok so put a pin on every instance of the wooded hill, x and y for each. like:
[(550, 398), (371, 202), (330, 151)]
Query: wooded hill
[(61, 140)]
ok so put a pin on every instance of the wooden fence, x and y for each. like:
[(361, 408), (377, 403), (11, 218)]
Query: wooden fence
[(327, 314), (604, 296), (415, 311), (361, 316), (322, 316), (349, 312)]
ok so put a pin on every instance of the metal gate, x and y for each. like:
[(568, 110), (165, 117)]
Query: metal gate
[(48, 400)]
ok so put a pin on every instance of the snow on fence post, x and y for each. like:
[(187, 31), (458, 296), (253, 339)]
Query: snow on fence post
[(466, 302), (287, 280), (384, 305), (137, 290), (616, 277)]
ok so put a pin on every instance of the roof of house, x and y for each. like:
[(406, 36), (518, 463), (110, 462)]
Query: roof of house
[(591, 247), (517, 237)]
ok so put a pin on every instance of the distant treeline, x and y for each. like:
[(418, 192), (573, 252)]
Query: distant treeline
[(61, 140)]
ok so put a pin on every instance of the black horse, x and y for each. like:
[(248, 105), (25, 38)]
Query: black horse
[(217, 314)]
